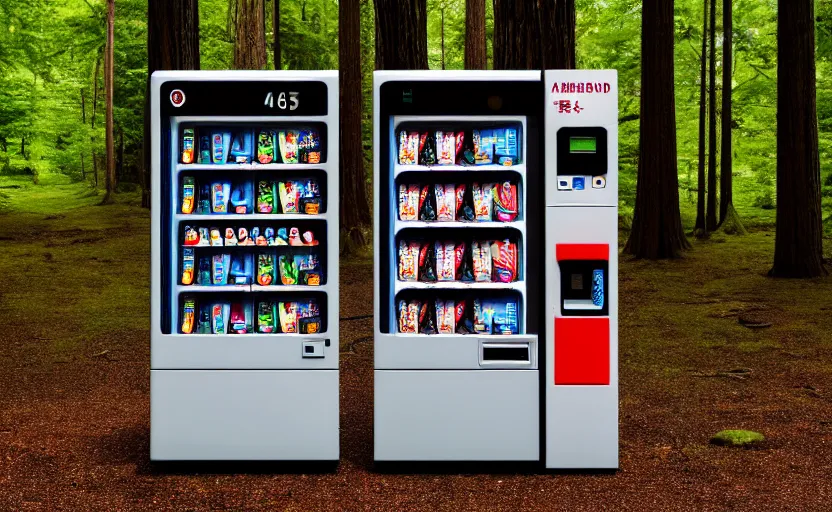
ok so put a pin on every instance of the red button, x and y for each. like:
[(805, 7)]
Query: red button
[(582, 351)]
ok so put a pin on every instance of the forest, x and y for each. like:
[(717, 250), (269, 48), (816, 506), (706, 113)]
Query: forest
[(54, 101)]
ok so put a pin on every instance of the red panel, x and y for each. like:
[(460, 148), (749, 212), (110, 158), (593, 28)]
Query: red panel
[(582, 351), (582, 252)]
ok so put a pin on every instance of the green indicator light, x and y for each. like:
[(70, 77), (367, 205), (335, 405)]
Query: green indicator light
[(582, 144)]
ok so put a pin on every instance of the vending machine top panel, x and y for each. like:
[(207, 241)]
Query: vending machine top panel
[(581, 137)]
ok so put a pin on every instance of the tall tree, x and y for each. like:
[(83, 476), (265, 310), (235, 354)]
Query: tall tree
[(798, 248), (276, 38), (110, 175), (729, 220), (355, 205), (401, 34), (699, 229), (475, 51), (710, 215), (534, 34), (249, 21), (172, 43), (657, 224)]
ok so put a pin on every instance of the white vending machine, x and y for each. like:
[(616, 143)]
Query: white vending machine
[(244, 278), (496, 274)]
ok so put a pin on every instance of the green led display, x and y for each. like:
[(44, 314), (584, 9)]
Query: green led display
[(582, 144)]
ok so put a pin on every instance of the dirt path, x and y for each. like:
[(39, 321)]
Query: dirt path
[(74, 383)]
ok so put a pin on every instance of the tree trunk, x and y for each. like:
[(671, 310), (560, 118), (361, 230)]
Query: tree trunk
[(475, 51), (250, 36), (534, 34), (172, 43), (798, 247), (726, 188), (355, 206), (710, 214), (401, 34), (83, 107), (442, 35), (699, 229), (95, 92), (110, 176), (276, 29), (657, 225), (83, 169), (95, 169)]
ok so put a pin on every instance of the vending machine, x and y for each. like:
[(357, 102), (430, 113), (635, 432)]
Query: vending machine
[(244, 274), (468, 360)]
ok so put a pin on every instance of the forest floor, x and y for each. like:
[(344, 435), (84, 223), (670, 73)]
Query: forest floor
[(74, 384)]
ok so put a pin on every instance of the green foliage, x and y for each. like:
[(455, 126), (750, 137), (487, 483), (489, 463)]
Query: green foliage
[(741, 438)]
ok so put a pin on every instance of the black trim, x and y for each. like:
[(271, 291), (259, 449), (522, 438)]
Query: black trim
[(582, 163), (243, 98)]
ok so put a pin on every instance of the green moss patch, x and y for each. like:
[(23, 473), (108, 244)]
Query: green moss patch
[(741, 438)]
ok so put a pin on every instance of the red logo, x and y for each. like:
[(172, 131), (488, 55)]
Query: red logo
[(581, 88), (177, 97)]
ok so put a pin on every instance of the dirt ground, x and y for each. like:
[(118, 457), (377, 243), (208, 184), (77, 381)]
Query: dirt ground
[(74, 384)]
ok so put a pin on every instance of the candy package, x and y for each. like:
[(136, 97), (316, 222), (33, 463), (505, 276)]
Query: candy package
[(289, 196), (265, 197), (266, 147), (445, 202), (219, 318), (505, 146), (241, 147), (465, 203), (203, 277), (427, 149), (188, 194), (216, 238), (220, 267), (310, 198), (288, 315), (483, 146), (230, 237), (408, 258), (482, 317), (459, 258), (408, 147), (503, 315), (288, 269), (483, 201), (240, 272), (505, 201), (239, 320), (191, 236), (309, 317), (409, 316), (266, 316), (481, 255), (459, 151), (408, 202), (188, 146), (187, 266), (288, 145), (220, 194), (445, 261), (463, 318), (188, 316), (427, 318), (445, 323), (309, 147), (427, 204), (504, 261), (309, 269), (204, 156), (445, 148), (265, 269), (427, 263)]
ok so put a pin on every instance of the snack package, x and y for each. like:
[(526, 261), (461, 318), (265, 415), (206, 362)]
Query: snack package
[(240, 272), (220, 265), (188, 316), (310, 201), (288, 313), (204, 149), (294, 237), (187, 266), (462, 318), (445, 323), (241, 199), (238, 321), (309, 238), (408, 258), (309, 147), (445, 255), (203, 325), (219, 197), (191, 236), (205, 238), (265, 197), (266, 147), (216, 238), (241, 147), (459, 258), (483, 146), (427, 149), (230, 237), (409, 316), (243, 238), (188, 146), (266, 316), (505, 201), (288, 270), (268, 234), (459, 152), (466, 271), (445, 148), (504, 261), (482, 317), (220, 142), (204, 205), (503, 316), (309, 317), (427, 318), (483, 201), (258, 237), (282, 237), (289, 196), (481, 255), (505, 146), (219, 318), (465, 203), (427, 263), (265, 269), (203, 278), (445, 202), (427, 203), (188, 194), (408, 147), (288, 144), (309, 269), (408, 202)]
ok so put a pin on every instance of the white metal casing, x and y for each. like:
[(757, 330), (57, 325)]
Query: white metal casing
[(208, 391)]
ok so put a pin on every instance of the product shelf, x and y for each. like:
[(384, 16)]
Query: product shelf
[(439, 286), (401, 168), (405, 224), (286, 288), (184, 288), (191, 217), (251, 167)]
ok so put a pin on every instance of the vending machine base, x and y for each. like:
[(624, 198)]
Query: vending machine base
[(215, 415)]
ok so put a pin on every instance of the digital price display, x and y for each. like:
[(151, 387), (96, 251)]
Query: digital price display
[(583, 144), (581, 151)]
